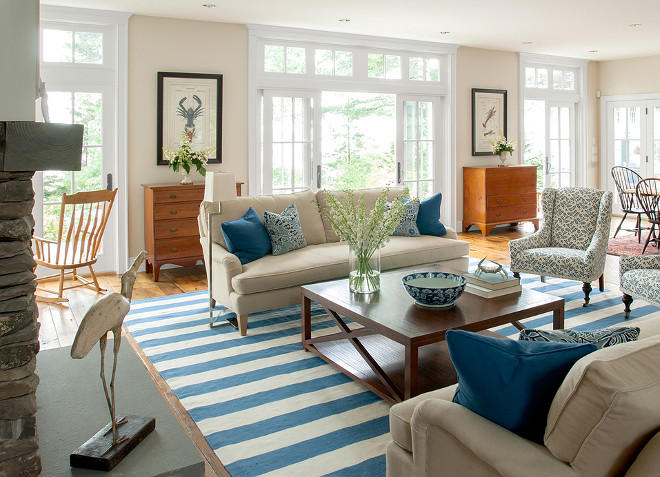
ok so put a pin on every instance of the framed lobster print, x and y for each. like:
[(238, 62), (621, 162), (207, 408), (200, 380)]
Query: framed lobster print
[(488, 119), (190, 104)]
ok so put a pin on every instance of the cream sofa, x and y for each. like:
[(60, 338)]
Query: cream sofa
[(603, 421), (274, 281)]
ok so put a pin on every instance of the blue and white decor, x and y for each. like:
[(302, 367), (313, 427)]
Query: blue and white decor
[(267, 407), (434, 289)]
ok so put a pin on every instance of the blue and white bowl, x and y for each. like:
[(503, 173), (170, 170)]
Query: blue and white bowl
[(434, 289)]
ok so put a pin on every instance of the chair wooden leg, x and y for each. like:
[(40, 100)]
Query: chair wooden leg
[(627, 301), (242, 324), (638, 228), (96, 282), (620, 224), (61, 292), (542, 278), (651, 232), (516, 275), (601, 283), (586, 288)]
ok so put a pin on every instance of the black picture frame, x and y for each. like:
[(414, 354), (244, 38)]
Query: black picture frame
[(489, 112), (184, 98)]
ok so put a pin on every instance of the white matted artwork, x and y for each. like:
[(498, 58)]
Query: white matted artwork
[(189, 103), (488, 119)]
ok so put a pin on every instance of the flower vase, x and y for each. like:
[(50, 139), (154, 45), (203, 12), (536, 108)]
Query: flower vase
[(364, 276), (186, 178), (504, 155)]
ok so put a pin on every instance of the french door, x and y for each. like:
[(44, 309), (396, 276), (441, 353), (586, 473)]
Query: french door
[(632, 139)]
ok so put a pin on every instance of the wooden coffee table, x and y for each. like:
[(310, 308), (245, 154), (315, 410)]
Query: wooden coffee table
[(396, 348)]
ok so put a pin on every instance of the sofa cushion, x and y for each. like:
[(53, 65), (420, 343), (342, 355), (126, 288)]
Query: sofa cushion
[(246, 237), (310, 219), (369, 197), (510, 382), (607, 408), (601, 338), (408, 225), (330, 261), (401, 414), (284, 230), (428, 219)]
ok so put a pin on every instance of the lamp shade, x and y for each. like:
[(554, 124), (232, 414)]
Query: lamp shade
[(219, 186)]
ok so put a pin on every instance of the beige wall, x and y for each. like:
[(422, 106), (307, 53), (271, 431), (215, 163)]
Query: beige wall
[(593, 126), (491, 69), (632, 76), (163, 44)]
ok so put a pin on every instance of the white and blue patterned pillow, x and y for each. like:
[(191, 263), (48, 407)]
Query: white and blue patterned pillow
[(284, 230), (408, 225), (601, 338)]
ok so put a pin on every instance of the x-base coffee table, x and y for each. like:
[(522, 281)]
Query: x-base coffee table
[(399, 349)]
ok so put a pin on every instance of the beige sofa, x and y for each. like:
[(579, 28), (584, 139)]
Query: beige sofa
[(274, 281), (603, 421)]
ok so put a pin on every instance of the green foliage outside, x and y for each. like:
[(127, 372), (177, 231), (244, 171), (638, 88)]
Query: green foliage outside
[(536, 160), (356, 160)]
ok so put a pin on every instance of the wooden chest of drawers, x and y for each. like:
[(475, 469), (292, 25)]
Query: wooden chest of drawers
[(499, 195), (171, 234)]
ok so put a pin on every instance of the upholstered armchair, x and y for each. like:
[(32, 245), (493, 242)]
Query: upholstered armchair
[(639, 276), (572, 242)]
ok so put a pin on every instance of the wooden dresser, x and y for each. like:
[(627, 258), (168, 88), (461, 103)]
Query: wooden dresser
[(171, 234), (499, 195)]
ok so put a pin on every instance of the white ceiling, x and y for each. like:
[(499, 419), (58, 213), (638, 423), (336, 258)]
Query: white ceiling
[(555, 27)]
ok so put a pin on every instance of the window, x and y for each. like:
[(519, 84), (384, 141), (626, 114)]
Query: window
[(70, 46), (364, 112)]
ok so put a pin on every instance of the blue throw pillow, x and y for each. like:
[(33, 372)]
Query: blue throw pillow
[(284, 230), (408, 225), (246, 237), (511, 383), (428, 219)]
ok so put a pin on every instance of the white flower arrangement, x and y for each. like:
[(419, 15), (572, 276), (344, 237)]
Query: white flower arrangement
[(501, 145), (363, 232), (186, 157)]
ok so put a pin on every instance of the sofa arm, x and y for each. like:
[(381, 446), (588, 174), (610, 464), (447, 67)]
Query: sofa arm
[(634, 262), (451, 233), (449, 439), (220, 271)]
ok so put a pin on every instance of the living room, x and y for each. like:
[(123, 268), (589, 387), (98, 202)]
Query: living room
[(213, 40)]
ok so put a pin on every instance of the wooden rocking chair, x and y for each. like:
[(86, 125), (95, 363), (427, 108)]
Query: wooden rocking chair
[(83, 217)]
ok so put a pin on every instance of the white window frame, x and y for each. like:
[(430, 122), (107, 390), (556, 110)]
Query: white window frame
[(443, 91), (577, 97), (112, 73)]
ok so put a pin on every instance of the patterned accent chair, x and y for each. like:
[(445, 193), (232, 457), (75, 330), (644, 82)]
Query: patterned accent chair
[(639, 276), (572, 242)]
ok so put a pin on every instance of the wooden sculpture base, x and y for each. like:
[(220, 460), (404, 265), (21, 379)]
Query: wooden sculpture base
[(97, 453)]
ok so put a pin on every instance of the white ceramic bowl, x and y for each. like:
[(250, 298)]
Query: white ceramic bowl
[(434, 289)]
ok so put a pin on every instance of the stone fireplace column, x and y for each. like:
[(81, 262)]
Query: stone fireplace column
[(25, 147)]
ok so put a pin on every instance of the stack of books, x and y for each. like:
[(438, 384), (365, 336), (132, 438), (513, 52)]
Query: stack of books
[(490, 285)]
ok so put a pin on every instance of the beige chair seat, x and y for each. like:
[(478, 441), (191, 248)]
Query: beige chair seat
[(330, 261)]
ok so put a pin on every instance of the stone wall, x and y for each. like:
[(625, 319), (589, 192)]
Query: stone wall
[(19, 329)]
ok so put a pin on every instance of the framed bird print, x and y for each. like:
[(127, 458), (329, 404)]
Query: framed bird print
[(190, 104), (488, 119)]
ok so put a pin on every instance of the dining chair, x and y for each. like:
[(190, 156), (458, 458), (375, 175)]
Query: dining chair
[(626, 181), (648, 195), (83, 218)]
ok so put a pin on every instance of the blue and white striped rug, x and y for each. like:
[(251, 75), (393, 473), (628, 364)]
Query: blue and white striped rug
[(267, 407)]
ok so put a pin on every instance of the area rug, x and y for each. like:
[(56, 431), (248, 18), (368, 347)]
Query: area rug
[(266, 407), (629, 245)]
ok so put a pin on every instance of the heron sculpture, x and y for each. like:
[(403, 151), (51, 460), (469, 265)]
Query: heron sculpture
[(107, 314)]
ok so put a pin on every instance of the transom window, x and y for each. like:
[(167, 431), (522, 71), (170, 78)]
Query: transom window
[(550, 78), (67, 46), (333, 62)]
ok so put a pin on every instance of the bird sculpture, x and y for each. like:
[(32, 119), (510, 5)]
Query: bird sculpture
[(107, 314)]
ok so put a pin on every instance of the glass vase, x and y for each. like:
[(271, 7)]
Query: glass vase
[(186, 178), (364, 276), (504, 156)]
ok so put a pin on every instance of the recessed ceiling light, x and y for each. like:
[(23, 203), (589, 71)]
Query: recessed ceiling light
[(593, 51), (527, 42), (208, 5), (635, 25), (344, 20), (445, 32)]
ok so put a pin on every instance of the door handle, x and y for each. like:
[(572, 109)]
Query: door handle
[(108, 182), (398, 173), (318, 176), (547, 164)]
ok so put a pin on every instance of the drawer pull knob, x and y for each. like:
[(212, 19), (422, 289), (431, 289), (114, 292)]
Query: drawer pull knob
[(525, 211), (174, 250), (497, 214), (173, 212), (499, 201), (173, 229), (172, 196), (525, 198)]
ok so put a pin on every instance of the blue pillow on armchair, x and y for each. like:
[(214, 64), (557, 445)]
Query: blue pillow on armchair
[(246, 237), (511, 383), (428, 218)]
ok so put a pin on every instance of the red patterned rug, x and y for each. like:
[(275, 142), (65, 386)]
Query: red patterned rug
[(628, 245)]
